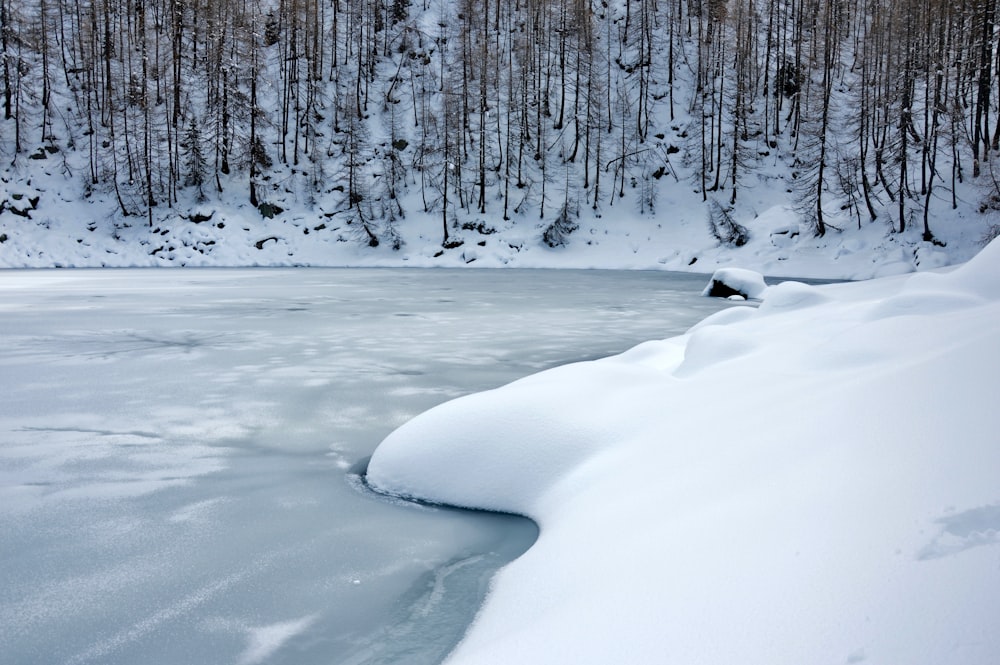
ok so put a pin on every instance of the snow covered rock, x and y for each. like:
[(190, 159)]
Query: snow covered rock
[(728, 282)]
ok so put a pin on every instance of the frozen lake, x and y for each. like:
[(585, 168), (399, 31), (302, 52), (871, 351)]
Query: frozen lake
[(179, 448)]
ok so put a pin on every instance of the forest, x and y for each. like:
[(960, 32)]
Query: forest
[(512, 109)]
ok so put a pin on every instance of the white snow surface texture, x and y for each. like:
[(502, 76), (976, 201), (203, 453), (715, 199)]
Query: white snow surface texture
[(813, 482)]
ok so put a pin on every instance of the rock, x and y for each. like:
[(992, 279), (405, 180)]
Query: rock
[(727, 282)]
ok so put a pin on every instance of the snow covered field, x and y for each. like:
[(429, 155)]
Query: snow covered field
[(814, 481)]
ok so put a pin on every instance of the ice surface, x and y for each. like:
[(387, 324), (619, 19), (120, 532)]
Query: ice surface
[(811, 481), (178, 452)]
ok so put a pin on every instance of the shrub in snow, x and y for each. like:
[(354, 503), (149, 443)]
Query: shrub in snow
[(790, 78), (269, 210), (197, 217), (724, 227), (557, 233), (990, 234)]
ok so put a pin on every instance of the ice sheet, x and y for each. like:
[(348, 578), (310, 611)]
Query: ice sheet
[(176, 451)]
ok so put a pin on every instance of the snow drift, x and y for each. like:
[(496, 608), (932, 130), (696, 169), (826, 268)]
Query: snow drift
[(813, 481)]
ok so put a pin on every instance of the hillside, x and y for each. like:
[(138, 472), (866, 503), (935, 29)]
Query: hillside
[(797, 138)]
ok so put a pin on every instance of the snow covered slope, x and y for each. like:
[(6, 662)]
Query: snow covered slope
[(66, 235), (605, 134), (814, 481)]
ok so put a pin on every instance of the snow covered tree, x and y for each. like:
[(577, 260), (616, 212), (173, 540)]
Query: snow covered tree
[(196, 164)]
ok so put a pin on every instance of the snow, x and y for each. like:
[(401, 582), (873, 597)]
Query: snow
[(71, 232), (53, 213), (745, 283), (811, 481), (62, 204)]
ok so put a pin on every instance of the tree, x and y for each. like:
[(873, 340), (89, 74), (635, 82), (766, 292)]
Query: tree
[(196, 164)]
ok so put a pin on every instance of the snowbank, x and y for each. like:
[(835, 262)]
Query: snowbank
[(813, 481)]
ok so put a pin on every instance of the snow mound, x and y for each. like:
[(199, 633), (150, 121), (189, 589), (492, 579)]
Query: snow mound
[(503, 448), (727, 282), (725, 317), (813, 481), (979, 276), (791, 295), (712, 345)]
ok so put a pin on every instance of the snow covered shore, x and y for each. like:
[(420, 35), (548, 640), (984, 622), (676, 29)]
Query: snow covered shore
[(816, 480), (67, 236)]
